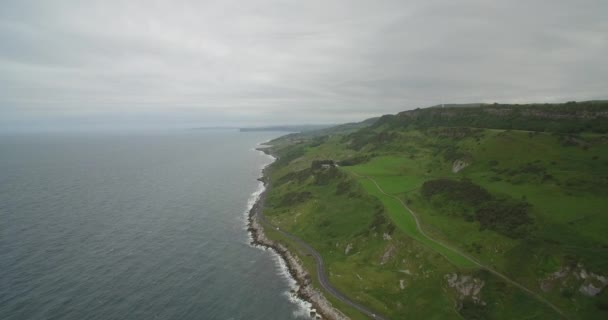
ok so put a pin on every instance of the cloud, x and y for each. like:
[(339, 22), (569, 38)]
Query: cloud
[(254, 62)]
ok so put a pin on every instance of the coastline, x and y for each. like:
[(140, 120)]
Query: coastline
[(321, 307)]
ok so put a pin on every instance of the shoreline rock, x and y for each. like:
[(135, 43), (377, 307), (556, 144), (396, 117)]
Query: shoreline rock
[(321, 307)]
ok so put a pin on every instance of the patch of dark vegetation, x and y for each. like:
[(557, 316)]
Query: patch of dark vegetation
[(291, 153), (355, 160), (323, 223), (586, 184), (456, 190), (571, 117), (380, 223), (569, 140), (322, 164), (379, 219), (526, 173), (317, 141), (509, 217), (452, 153), (326, 176), (506, 216), (475, 247), (473, 311), (346, 187), (294, 198), (602, 303), (458, 133), (297, 176), (390, 228), (359, 139), (367, 136), (532, 168)]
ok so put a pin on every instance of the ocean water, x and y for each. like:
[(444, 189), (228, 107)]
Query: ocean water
[(140, 225)]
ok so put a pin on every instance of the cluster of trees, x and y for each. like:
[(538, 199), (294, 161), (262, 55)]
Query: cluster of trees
[(456, 190), (325, 177), (345, 187), (318, 164), (451, 152), (507, 216), (528, 172), (356, 160)]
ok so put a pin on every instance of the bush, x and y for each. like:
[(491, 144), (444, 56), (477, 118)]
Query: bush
[(508, 217), (344, 187), (294, 176), (318, 164), (354, 160), (294, 198), (454, 190), (324, 177)]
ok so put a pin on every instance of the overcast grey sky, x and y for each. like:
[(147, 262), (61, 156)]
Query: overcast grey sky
[(260, 62)]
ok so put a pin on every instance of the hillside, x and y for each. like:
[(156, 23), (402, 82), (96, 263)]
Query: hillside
[(476, 212), (288, 128), (571, 117)]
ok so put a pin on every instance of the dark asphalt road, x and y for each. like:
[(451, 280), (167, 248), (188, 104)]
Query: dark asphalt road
[(321, 273)]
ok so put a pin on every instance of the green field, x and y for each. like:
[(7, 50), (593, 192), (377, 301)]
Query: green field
[(527, 205)]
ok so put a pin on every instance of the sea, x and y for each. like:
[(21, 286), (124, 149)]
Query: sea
[(136, 225)]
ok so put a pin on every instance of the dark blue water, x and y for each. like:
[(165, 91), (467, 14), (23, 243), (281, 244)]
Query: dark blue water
[(134, 226)]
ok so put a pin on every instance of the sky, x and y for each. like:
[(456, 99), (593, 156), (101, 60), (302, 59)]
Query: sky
[(248, 63)]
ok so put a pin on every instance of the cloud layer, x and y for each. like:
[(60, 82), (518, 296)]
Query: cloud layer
[(256, 62)]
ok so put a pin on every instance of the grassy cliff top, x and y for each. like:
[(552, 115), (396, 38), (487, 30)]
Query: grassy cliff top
[(506, 200)]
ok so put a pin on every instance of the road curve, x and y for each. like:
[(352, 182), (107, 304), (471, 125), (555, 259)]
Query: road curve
[(321, 273), (475, 261)]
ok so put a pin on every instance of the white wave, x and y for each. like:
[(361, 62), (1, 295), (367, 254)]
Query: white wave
[(253, 198), (303, 308)]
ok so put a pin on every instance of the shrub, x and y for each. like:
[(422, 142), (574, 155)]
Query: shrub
[(454, 190), (294, 198), (508, 217)]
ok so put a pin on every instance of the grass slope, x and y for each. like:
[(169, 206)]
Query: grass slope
[(528, 204)]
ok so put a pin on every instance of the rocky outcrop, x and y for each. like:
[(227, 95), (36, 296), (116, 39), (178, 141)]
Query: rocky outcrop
[(388, 254), (348, 248), (322, 307), (549, 282), (401, 284), (577, 277), (467, 287), (592, 284), (458, 165), (589, 289)]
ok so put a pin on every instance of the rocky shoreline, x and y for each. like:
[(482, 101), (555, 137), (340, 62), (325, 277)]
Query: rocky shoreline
[(322, 308)]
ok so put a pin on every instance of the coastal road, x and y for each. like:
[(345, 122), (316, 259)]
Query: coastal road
[(321, 273), (473, 260)]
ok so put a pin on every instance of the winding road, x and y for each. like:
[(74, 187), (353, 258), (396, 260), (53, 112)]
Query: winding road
[(473, 260), (321, 272)]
